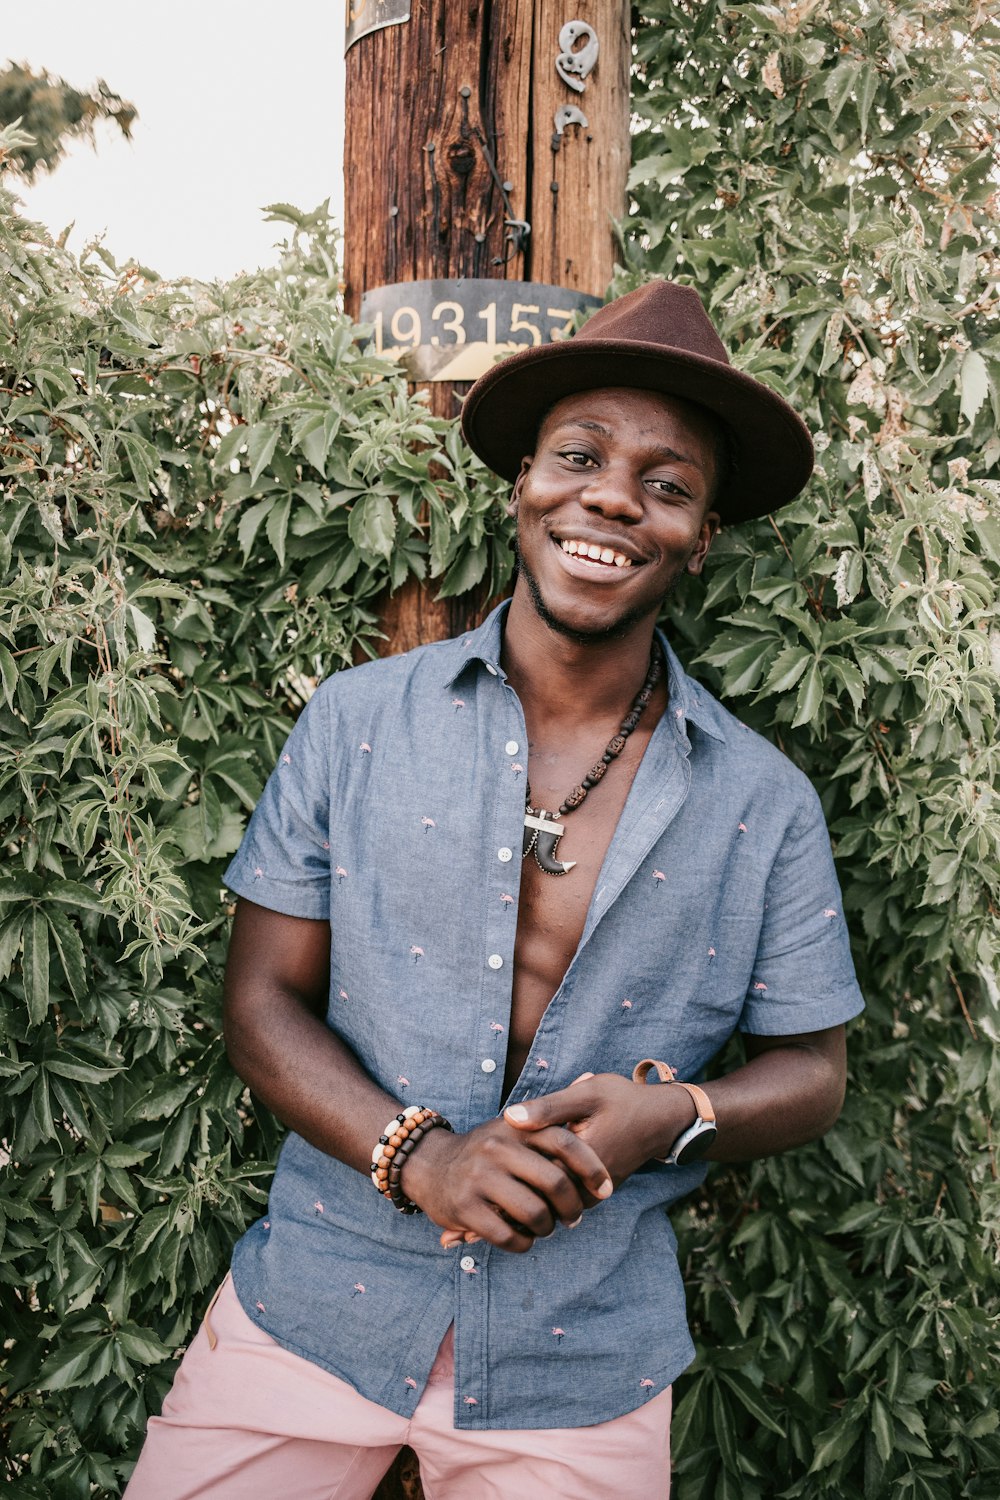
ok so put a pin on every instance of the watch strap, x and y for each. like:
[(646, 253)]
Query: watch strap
[(704, 1126), (702, 1103), (665, 1073)]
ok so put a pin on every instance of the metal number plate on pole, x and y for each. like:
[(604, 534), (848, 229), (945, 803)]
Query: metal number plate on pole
[(365, 16), (456, 328)]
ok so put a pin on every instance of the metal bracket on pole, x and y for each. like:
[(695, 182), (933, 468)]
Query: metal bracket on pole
[(517, 229), (572, 66), (567, 114)]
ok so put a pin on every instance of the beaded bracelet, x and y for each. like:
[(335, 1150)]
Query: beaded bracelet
[(393, 1146), (395, 1192)]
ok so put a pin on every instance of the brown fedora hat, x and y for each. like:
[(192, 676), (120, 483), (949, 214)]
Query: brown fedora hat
[(657, 338)]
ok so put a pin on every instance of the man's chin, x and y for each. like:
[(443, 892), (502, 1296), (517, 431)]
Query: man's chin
[(576, 625)]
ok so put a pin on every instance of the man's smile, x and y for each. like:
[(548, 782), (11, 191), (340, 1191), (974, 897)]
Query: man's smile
[(597, 549), (595, 558)]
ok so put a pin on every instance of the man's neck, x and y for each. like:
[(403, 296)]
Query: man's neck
[(560, 678)]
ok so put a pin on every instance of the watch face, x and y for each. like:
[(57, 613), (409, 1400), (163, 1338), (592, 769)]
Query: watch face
[(695, 1142)]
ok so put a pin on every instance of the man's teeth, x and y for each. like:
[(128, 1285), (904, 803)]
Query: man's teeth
[(596, 554)]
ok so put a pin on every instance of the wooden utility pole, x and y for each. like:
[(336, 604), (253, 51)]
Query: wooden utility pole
[(484, 142), (486, 154)]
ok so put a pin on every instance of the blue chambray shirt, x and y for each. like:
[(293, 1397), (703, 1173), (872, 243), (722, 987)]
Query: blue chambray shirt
[(395, 812)]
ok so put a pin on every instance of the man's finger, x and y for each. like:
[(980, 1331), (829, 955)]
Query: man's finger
[(550, 1109), (450, 1238), (576, 1156)]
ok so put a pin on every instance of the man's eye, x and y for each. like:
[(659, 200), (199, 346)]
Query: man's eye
[(575, 456), (667, 487)]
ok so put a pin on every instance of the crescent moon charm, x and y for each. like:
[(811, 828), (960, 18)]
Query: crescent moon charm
[(541, 838)]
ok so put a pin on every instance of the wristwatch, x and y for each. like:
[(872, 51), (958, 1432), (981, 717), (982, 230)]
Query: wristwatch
[(693, 1142)]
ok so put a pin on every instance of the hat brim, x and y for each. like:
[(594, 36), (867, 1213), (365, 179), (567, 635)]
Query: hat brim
[(773, 451)]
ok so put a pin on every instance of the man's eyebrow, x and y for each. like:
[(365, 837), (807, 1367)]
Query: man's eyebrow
[(671, 455), (581, 422)]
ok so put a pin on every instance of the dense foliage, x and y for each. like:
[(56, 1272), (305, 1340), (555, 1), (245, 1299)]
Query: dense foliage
[(826, 175), (51, 112), (206, 489)]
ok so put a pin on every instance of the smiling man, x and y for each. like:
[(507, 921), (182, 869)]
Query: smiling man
[(502, 902)]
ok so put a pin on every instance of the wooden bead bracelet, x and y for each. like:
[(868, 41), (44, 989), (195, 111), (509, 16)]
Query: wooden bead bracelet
[(394, 1145)]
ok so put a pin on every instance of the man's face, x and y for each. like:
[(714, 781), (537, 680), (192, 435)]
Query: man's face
[(629, 473)]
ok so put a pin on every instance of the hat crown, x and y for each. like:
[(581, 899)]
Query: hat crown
[(660, 312)]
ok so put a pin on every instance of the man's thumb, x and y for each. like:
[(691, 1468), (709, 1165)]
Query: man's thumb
[(550, 1109)]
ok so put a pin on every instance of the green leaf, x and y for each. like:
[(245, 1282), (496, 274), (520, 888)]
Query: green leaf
[(786, 669), (372, 525), (882, 1428), (67, 1066), (944, 867), (145, 630), (71, 1364), (140, 1345), (10, 942), (867, 87), (8, 676), (262, 440), (70, 950), (834, 1443), (840, 85), (810, 696), (277, 526), (36, 966), (250, 524), (750, 1399), (974, 384)]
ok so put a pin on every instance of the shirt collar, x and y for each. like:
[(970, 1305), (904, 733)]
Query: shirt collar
[(690, 702)]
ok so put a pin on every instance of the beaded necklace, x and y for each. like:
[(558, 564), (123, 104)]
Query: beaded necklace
[(541, 832)]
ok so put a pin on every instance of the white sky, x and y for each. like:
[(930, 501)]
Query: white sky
[(240, 105)]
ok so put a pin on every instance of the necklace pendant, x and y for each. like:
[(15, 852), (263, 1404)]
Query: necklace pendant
[(541, 838)]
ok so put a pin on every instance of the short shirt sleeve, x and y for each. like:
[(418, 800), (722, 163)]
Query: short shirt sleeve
[(803, 977), (283, 862)]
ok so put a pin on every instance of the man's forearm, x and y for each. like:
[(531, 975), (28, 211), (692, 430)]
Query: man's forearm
[(779, 1100), (783, 1097), (307, 1077), (789, 1092)]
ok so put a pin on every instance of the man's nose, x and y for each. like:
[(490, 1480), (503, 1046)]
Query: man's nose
[(614, 492)]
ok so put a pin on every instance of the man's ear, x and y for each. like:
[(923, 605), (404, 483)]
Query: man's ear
[(515, 494), (709, 531)]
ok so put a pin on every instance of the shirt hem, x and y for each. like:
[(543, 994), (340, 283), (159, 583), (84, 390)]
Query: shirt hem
[(818, 1017), (607, 1414), (250, 889)]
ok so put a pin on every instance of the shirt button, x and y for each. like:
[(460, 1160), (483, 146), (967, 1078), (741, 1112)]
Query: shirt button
[(505, 855), (491, 669), (511, 747), (488, 1065), (495, 961), (467, 1263)]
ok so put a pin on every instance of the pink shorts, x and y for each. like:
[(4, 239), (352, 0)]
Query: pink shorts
[(247, 1420)]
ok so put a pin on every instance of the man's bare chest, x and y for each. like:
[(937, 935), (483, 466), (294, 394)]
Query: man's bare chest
[(552, 909)]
